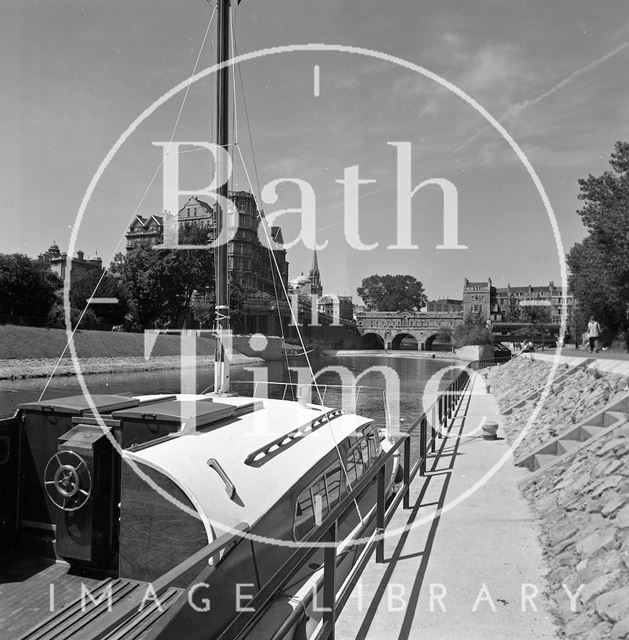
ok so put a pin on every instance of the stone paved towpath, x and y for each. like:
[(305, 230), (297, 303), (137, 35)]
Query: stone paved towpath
[(478, 555)]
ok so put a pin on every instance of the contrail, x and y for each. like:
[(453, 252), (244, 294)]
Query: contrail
[(519, 107), (560, 85)]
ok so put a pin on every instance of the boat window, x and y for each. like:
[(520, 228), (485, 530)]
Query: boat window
[(319, 500), (313, 503), (304, 514), (354, 466), (374, 445), (364, 448), (333, 484)]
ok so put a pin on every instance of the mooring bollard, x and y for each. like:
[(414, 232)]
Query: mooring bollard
[(490, 430)]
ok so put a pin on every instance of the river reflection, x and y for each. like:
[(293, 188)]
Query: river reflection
[(413, 373)]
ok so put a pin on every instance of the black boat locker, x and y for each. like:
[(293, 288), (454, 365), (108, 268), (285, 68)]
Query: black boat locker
[(82, 480), (146, 422), (43, 423)]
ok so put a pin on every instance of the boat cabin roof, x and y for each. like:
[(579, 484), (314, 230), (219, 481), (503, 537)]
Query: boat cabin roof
[(257, 487)]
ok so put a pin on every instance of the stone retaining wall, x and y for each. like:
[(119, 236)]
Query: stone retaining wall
[(571, 399), (582, 501)]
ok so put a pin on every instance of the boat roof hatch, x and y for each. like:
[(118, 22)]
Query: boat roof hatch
[(73, 405), (198, 412), (271, 449)]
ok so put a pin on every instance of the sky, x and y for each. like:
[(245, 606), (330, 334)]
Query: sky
[(75, 74)]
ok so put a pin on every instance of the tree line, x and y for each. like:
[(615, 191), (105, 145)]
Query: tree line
[(160, 289), (599, 265)]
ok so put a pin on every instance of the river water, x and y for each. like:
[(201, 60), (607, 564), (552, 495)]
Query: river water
[(412, 373)]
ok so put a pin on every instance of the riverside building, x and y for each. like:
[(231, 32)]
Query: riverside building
[(505, 304), (250, 263)]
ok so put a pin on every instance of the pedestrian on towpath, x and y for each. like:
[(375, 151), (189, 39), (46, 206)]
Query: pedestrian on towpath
[(594, 331)]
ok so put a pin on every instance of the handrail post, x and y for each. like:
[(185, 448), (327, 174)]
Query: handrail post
[(433, 444), (407, 472), (329, 582), (423, 428), (440, 413), (380, 513)]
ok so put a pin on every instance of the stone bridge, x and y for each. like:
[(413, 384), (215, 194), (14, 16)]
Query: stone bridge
[(387, 329)]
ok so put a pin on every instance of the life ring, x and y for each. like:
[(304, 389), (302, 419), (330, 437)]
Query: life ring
[(67, 481)]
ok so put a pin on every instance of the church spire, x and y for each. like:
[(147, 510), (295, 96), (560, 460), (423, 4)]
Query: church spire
[(315, 263), (315, 277)]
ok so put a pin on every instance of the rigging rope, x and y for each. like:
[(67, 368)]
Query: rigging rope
[(312, 374), (273, 258), (124, 233), (257, 178)]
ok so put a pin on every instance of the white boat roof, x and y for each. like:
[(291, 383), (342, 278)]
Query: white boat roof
[(183, 459)]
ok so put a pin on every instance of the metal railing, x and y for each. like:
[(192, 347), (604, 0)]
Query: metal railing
[(333, 600), (477, 365), (428, 428)]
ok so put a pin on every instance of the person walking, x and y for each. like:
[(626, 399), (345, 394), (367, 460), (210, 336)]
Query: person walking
[(594, 331)]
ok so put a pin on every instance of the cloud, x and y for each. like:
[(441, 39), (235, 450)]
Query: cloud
[(491, 66), (518, 108)]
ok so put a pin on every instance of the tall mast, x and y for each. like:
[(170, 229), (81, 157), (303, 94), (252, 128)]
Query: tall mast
[(221, 364)]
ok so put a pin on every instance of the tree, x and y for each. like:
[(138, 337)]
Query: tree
[(95, 284), (599, 266), (473, 330), (535, 314), (203, 307), (26, 289), (445, 335), (392, 293), (160, 283)]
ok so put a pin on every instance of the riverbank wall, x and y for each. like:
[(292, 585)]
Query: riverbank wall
[(582, 500), (32, 352), (425, 355)]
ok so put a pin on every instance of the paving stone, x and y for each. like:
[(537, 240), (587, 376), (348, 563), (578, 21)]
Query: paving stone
[(592, 523), (580, 624), (620, 631), (613, 605), (612, 467), (622, 518), (600, 632), (558, 534), (602, 564), (622, 431), (613, 504), (599, 585), (596, 541), (610, 482), (567, 559), (612, 445)]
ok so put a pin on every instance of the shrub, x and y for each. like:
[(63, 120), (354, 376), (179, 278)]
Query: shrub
[(472, 331)]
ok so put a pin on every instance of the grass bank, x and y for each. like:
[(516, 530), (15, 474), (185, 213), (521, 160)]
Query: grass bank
[(24, 343), (31, 352)]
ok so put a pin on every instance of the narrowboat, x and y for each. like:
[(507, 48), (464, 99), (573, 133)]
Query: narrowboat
[(184, 516)]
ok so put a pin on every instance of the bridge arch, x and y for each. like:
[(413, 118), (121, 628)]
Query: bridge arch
[(405, 341), (372, 340), (428, 343)]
